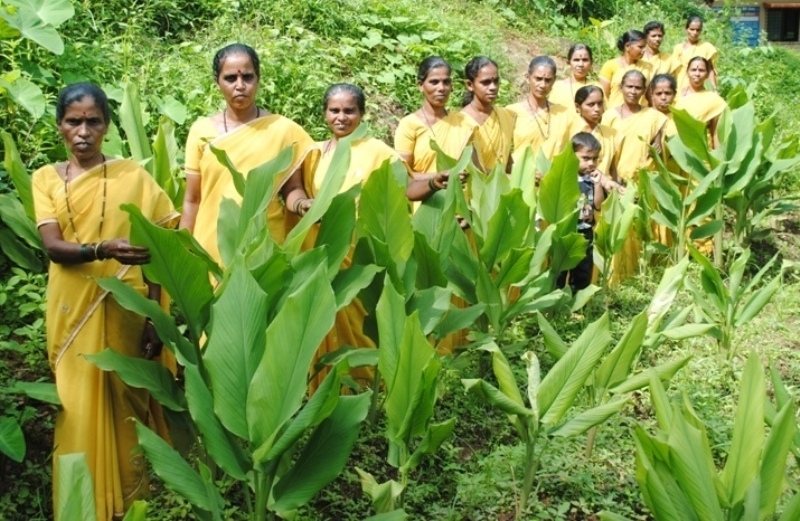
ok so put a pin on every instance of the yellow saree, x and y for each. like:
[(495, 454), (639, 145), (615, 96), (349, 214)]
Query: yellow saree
[(367, 155), (413, 136), (563, 92), (703, 106), (663, 63), (638, 131), (547, 134), (248, 146), (493, 139), (83, 319)]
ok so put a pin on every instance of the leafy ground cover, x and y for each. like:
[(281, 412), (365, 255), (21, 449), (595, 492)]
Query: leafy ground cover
[(307, 45)]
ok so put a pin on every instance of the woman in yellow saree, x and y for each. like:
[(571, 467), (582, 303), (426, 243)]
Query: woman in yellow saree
[(589, 106), (662, 62), (251, 136), (631, 46), (431, 123), (640, 127), (692, 47), (344, 106), (77, 206), (541, 125), (493, 126), (581, 61), (701, 104)]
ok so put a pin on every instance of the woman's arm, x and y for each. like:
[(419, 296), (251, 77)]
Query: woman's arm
[(712, 127), (191, 201), (151, 344), (295, 195), (65, 252)]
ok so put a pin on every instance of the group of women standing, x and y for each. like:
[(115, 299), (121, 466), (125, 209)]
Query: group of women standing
[(71, 198)]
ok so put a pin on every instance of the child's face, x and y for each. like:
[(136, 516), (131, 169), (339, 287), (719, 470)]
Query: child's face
[(587, 160)]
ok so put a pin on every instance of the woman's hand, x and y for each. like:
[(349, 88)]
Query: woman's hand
[(302, 206), (123, 251), (151, 344)]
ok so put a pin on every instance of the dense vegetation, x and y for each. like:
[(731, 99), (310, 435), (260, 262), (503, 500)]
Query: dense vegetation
[(164, 49)]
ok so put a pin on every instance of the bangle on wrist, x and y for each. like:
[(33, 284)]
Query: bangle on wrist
[(83, 251), (99, 252), (297, 206), (432, 185)]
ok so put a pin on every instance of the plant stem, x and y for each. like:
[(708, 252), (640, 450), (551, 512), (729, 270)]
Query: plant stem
[(373, 401), (531, 464), (590, 441), (718, 236)]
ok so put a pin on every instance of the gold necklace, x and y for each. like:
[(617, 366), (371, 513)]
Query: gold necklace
[(545, 135), (102, 208)]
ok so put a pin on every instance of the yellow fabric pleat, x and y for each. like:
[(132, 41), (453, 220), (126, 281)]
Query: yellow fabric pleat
[(547, 133)]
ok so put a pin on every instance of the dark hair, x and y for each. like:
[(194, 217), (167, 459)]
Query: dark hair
[(542, 61), (584, 92), (661, 78), (580, 47), (651, 26), (692, 19), (629, 37), (430, 63), (76, 92), (349, 88), (235, 48), (585, 140), (634, 72), (471, 71), (709, 66)]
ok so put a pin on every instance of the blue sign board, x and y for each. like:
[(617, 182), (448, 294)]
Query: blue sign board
[(745, 25)]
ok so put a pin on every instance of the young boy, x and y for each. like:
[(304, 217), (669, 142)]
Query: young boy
[(590, 180)]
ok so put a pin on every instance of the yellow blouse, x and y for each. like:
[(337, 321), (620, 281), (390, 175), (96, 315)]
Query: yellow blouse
[(548, 133), (613, 71), (413, 136), (493, 139), (638, 131), (563, 92)]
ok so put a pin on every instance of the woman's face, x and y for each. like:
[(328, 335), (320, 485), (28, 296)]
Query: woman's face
[(697, 72), (632, 90), (342, 114), (238, 81), (485, 85), (580, 64), (635, 50), (662, 96), (437, 86), (654, 39), (591, 110), (694, 31), (540, 81), (83, 128)]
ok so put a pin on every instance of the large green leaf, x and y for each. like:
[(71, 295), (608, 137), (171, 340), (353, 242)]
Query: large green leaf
[(12, 441), (18, 252), (693, 467), (585, 420), (507, 228), (167, 330), (279, 383), (262, 186), (18, 173), (324, 455), (132, 123), (618, 364), (316, 409), (42, 391), (236, 345), (383, 214), (495, 397), (566, 378), (552, 342), (384, 496), (219, 443), (336, 229), (76, 488), (436, 434), (558, 190), (27, 95), (27, 19), (137, 511), (664, 372), (348, 283), (692, 133), (183, 275), (773, 461), (142, 374), (741, 467), (179, 475), (12, 213), (504, 374)]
